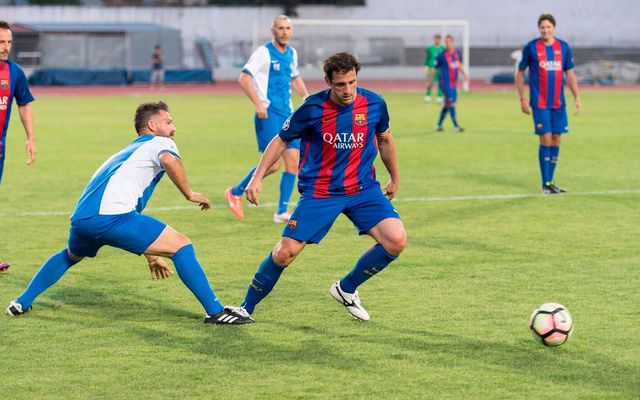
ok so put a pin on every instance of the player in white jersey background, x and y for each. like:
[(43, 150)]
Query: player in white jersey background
[(267, 79), (109, 213)]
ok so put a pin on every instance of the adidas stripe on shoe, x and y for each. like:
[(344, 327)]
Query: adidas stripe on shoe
[(15, 309)]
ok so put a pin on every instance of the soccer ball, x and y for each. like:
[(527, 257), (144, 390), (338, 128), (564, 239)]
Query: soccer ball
[(551, 324)]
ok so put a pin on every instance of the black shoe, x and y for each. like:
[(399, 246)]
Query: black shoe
[(558, 189), (439, 128), (458, 129), (230, 316), (549, 188)]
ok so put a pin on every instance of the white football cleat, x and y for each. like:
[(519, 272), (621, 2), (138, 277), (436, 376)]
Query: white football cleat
[(439, 100), (350, 301), (427, 99), (282, 217), (15, 309)]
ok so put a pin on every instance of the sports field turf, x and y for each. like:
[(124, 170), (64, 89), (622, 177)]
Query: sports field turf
[(449, 317)]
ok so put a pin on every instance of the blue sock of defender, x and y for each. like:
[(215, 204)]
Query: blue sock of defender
[(287, 181), (452, 111), (443, 114), (47, 275), (544, 157), (263, 282), (554, 152), (192, 275), (238, 189), (372, 261)]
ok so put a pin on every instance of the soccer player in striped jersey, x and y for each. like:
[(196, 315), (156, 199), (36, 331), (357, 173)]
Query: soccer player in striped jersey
[(267, 79), (341, 131), (448, 64), (109, 212), (13, 85), (548, 59)]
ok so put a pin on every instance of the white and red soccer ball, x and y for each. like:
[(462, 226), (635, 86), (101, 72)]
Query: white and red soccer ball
[(551, 324)]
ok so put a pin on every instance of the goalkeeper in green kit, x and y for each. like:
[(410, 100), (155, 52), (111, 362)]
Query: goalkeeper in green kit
[(429, 63)]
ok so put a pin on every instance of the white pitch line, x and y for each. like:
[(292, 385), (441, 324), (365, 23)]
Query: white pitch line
[(397, 200)]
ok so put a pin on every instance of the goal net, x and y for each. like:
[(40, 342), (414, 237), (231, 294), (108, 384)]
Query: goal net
[(395, 49)]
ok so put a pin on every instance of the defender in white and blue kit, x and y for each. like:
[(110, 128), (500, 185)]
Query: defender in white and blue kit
[(109, 213), (267, 79)]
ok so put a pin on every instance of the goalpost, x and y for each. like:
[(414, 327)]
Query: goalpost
[(386, 43)]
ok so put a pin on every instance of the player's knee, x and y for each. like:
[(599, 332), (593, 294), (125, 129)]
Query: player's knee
[(273, 168), (396, 242)]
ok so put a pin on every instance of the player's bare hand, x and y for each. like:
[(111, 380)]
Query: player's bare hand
[(524, 105), (577, 104), (261, 112), (253, 190), (30, 147), (201, 199), (158, 268), (390, 190)]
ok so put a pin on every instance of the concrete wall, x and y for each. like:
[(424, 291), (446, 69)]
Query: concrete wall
[(494, 23)]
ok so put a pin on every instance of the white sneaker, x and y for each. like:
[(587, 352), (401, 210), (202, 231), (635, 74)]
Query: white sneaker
[(439, 100), (282, 217), (239, 310), (350, 301), (15, 309), (427, 99)]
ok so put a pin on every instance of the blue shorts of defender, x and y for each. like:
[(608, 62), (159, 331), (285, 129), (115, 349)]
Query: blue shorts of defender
[(132, 232), (269, 127), (312, 217), (550, 120)]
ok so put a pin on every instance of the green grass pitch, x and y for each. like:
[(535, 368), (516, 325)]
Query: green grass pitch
[(449, 317)]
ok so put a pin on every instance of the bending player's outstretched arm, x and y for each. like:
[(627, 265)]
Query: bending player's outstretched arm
[(26, 116), (298, 86), (175, 170), (389, 156), (572, 81), (271, 154), (246, 83), (158, 267), (519, 78)]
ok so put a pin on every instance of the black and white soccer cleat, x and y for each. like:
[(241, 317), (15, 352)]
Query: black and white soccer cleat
[(230, 316)]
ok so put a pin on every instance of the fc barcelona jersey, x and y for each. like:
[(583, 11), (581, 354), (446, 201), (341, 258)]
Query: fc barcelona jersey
[(338, 143), (546, 67)]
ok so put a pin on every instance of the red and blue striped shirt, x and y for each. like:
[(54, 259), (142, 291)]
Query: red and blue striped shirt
[(449, 63), (546, 66), (338, 143)]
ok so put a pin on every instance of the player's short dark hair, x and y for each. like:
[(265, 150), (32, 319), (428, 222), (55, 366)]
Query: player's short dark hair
[(450, 37), (342, 62), (547, 17), (145, 111), (437, 36), (4, 25)]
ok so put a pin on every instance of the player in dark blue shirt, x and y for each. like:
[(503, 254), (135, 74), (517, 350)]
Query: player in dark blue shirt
[(341, 131)]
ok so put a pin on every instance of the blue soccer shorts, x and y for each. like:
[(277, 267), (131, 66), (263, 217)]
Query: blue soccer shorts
[(550, 120), (132, 232), (269, 127), (313, 217)]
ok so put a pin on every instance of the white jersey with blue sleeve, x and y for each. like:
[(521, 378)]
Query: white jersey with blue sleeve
[(125, 181), (272, 72)]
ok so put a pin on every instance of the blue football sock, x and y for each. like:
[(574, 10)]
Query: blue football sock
[(555, 151), (443, 114), (452, 111), (287, 181), (238, 189), (47, 275), (263, 281), (372, 261), (544, 158), (192, 275)]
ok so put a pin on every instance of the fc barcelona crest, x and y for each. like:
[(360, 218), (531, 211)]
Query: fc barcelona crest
[(292, 224), (360, 119), (4, 84)]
